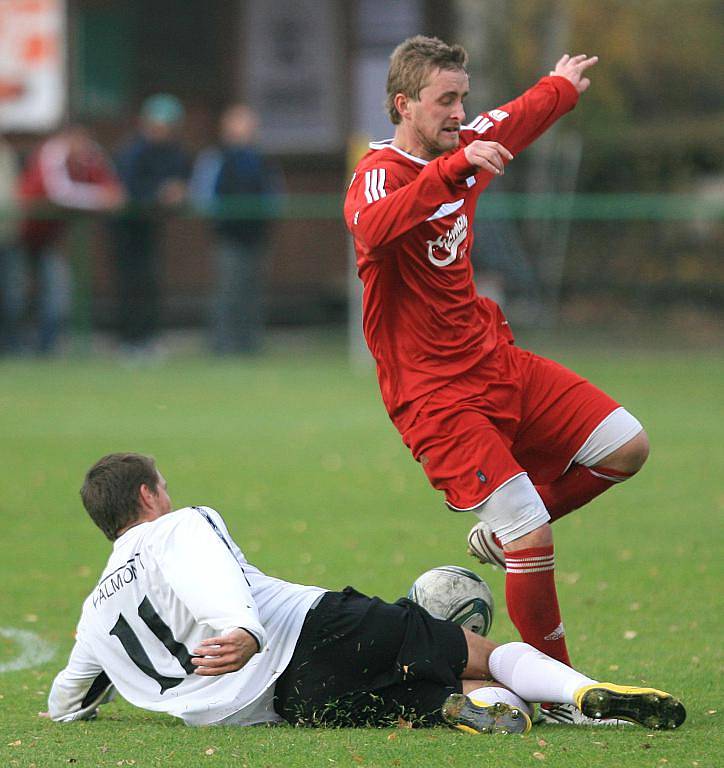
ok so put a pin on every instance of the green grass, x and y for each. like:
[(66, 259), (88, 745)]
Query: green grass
[(298, 455)]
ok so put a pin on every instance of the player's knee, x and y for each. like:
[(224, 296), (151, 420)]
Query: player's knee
[(631, 456), (540, 537), (640, 450), (516, 513)]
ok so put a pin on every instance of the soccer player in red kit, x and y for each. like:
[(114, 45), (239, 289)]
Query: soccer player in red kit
[(513, 437)]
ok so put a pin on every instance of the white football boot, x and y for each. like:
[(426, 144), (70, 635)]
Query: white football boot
[(569, 714), (483, 545)]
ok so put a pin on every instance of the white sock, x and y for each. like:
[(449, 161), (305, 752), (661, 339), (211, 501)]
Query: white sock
[(535, 676), (490, 694)]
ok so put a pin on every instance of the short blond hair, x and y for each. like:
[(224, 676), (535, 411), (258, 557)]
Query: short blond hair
[(411, 64)]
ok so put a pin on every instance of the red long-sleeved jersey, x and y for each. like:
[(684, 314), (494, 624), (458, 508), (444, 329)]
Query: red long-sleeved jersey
[(412, 226)]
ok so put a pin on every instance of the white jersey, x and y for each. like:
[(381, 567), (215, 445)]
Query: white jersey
[(168, 585)]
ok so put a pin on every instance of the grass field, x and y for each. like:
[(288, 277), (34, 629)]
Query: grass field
[(298, 455)]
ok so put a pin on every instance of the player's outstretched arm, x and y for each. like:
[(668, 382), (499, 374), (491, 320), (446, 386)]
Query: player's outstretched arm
[(521, 121), (573, 68)]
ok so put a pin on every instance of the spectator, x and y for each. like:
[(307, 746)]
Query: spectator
[(68, 172), (11, 276), (229, 180), (153, 168)]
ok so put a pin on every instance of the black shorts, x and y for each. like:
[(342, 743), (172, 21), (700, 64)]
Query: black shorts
[(361, 661)]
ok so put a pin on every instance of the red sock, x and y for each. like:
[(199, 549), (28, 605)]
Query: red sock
[(577, 487), (530, 593)]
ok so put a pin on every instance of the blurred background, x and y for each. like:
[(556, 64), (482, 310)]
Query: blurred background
[(173, 173), (176, 279)]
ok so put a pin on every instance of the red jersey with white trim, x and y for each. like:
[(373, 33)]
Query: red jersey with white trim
[(412, 226)]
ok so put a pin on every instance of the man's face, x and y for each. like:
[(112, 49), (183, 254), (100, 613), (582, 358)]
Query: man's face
[(238, 126), (435, 118), (161, 500)]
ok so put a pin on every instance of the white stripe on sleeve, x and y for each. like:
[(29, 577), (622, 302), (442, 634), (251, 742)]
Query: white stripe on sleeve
[(381, 183), (368, 195)]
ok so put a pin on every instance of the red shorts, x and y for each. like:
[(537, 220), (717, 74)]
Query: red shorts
[(515, 412)]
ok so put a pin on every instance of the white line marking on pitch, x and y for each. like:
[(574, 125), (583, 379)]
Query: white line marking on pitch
[(35, 651)]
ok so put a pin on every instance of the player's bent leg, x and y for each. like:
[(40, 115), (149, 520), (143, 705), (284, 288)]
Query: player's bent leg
[(516, 514), (613, 452), (536, 677)]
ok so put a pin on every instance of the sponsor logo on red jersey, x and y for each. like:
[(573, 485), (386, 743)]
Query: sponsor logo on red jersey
[(449, 244)]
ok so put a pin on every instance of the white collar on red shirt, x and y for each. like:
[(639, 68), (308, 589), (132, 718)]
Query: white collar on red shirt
[(387, 144)]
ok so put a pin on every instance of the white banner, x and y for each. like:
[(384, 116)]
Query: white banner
[(294, 73), (33, 92)]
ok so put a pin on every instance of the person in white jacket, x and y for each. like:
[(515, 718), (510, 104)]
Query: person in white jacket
[(180, 622)]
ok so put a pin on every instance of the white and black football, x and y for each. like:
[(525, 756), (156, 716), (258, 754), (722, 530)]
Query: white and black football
[(457, 594)]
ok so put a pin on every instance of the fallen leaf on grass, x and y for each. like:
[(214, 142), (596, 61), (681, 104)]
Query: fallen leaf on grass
[(542, 743), (210, 751), (539, 756), (15, 743)]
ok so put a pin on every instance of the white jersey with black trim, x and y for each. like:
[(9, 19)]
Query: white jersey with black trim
[(168, 585)]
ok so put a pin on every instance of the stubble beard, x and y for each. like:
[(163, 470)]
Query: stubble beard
[(435, 148)]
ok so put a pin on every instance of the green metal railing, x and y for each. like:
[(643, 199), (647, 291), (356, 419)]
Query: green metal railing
[(505, 205), (502, 205), (627, 207)]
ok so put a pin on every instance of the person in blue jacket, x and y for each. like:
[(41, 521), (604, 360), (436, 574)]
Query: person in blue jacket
[(238, 188), (154, 169)]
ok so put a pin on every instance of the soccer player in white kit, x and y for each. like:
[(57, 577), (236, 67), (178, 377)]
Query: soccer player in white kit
[(180, 622)]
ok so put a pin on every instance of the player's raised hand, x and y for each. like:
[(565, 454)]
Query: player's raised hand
[(228, 653), (488, 156), (573, 67)]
